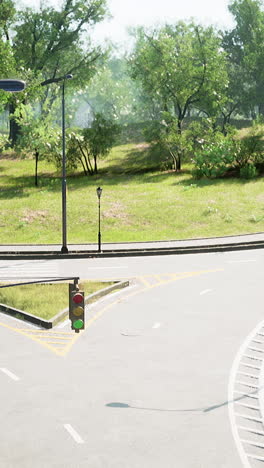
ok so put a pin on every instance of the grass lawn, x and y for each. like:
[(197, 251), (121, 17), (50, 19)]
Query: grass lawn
[(138, 202), (45, 300)]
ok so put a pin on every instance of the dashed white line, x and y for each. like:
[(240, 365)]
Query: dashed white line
[(10, 374), (240, 261), (205, 292), (74, 434)]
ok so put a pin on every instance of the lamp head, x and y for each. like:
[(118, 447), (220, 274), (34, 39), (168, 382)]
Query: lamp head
[(99, 192), (12, 86)]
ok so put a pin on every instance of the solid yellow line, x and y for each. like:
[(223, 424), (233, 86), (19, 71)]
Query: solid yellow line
[(44, 331), (54, 342)]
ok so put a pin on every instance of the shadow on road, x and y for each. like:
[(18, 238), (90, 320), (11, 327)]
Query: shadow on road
[(192, 410)]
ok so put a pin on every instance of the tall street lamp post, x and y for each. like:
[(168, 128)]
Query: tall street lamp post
[(99, 193), (64, 248)]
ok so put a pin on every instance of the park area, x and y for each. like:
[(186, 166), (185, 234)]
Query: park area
[(172, 129), (138, 202)]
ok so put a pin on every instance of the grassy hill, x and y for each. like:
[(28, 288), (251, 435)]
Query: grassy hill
[(138, 202)]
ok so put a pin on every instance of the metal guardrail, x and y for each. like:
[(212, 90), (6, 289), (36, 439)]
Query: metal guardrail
[(48, 280)]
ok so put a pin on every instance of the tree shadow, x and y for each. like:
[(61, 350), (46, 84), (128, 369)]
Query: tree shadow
[(19, 185), (135, 161)]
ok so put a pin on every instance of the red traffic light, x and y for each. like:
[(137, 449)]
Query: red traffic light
[(77, 298)]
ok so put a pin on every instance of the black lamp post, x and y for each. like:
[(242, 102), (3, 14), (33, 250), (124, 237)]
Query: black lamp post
[(99, 193), (64, 248)]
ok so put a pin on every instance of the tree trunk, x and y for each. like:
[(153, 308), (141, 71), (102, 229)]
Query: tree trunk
[(178, 163), (14, 127), (95, 165)]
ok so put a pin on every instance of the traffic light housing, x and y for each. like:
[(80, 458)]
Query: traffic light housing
[(77, 310)]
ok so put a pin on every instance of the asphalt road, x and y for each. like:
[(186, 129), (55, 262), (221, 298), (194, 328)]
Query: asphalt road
[(146, 385)]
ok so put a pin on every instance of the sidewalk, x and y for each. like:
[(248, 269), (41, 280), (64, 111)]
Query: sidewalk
[(215, 244)]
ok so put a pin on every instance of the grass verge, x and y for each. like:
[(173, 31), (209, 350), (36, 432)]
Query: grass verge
[(45, 300)]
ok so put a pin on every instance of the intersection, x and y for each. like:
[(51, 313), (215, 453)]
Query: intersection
[(146, 383)]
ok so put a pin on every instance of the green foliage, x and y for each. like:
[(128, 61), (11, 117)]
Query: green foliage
[(46, 45), (3, 142), (245, 48), (213, 159), (87, 146), (248, 171), (250, 148), (112, 92), (54, 34), (180, 67)]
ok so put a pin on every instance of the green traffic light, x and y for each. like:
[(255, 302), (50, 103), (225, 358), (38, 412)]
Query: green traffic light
[(78, 324)]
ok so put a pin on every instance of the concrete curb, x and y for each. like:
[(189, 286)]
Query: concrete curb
[(134, 252), (62, 315)]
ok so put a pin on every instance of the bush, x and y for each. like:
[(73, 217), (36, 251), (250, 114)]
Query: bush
[(250, 148), (249, 171), (3, 142), (214, 159)]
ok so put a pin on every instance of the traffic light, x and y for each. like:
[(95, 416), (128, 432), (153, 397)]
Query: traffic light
[(76, 310)]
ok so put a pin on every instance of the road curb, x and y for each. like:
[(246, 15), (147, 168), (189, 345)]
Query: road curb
[(62, 315), (194, 249)]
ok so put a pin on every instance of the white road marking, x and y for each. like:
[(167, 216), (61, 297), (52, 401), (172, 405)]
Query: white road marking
[(10, 374), (74, 434), (156, 325), (240, 261), (231, 390), (106, 268), (205, 292)]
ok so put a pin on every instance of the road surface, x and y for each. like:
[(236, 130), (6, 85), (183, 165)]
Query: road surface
[(151, 382)]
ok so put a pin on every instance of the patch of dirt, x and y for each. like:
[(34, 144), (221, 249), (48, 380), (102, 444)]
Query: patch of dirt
[(142, 146), (116, 211), (260, 197), (10, 155), (31, 216)]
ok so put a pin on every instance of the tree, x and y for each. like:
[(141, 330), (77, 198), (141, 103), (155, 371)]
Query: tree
[(38, 136), (112, 92), (182, 67), (52, 43), (245, 49), (92, 143)]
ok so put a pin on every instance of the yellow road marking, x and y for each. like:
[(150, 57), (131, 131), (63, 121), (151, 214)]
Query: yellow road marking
[(41, 338), (144, 281), (48, 338)]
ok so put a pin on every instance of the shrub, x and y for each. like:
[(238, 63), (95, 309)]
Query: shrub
[(250, 148), (214, 159), (248, 171)]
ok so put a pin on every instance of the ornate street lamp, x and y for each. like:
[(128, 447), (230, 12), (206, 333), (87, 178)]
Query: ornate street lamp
[(99, 193)]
